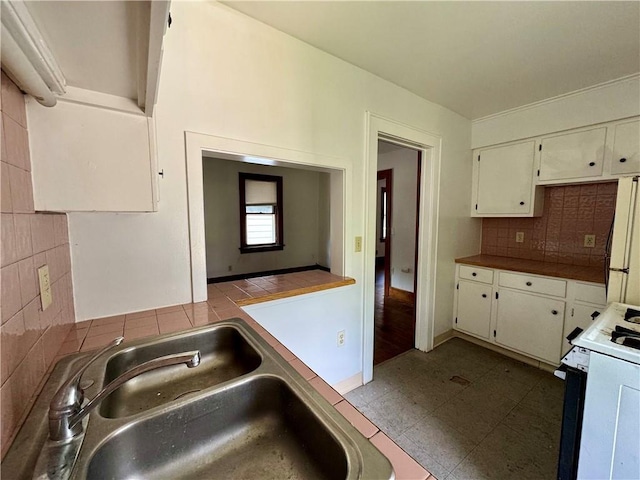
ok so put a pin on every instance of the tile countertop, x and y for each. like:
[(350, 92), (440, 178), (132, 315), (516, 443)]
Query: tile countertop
[(560, 270), (224, 303)]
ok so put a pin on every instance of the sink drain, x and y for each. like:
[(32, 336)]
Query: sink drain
[(187, 393)]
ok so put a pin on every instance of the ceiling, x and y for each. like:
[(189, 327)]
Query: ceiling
[(475, 58)]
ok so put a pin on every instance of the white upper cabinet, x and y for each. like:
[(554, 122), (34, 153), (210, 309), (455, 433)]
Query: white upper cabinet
[(573, 155), (87, 158), (626, 148), (503, 181)]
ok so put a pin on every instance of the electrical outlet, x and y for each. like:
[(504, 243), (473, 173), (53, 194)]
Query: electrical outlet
[(230, 268), (358, 244), (589, 241), (341, 338), (45, 287), (519, 237)]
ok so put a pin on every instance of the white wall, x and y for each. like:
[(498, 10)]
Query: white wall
[(308, 325), (404, 163), (604, 103), (228, 75), (303, 208)]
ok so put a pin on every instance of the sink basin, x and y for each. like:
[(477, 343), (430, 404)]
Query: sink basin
[(253, 416), (225, 354), (256, 429)]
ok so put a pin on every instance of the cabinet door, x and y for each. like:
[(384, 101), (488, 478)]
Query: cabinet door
[(573, 155), (474, 308), (530, 324), (505, 179), (626, 148), (579, 316)]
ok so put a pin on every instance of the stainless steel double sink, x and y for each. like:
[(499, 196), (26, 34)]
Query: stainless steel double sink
[(243, 413)]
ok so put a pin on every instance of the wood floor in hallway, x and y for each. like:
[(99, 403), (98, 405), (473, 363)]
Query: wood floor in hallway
[(394, 324)]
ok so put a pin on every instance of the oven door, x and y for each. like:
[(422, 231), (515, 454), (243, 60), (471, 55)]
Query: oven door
[(572, 414)]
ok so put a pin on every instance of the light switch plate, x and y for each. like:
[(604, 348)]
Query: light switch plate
[(519, 237), (45, 287), (358, 244)]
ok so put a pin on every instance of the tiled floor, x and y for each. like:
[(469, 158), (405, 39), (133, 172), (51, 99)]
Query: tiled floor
[(465, 412), (223, 303)]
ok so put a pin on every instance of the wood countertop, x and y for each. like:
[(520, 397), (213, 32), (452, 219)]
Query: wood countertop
[(571, 272)]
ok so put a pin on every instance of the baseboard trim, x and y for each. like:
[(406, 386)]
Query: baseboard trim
[(345, 386), (401, 295), (507, 353), (443, 337), (281, 271)]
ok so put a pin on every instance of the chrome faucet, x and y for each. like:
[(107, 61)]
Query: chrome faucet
[(66, 411)]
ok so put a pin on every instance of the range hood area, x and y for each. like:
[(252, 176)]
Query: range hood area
[(119, 55)]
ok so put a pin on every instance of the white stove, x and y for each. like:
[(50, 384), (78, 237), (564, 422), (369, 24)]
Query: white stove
[(597, 338)]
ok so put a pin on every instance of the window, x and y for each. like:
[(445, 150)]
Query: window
[(260, 213), (383, 214)]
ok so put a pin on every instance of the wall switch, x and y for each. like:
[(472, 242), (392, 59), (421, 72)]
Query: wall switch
[(341, 338), (589, 241), (519, 237), (358, 244), (45, 287)]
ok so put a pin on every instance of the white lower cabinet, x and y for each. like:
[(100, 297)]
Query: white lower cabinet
[(529, 314), (580, 315), (530, 324), (474, 308)]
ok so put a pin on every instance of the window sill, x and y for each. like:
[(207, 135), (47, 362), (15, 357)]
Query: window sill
[(261, 248)]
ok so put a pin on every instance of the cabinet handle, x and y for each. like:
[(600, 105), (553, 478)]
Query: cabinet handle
[(484, 295), (592, 164), (521, 203), (474, 274), (622, 160), (554, 312), (529, 284)]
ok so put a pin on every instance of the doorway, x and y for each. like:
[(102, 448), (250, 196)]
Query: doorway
[(397, 227), (380, 128)]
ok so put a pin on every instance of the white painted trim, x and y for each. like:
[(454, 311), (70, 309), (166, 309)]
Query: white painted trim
[(158, 17), (93, 98), (197, 144), (345, 386), (430, 145), (599, 86)]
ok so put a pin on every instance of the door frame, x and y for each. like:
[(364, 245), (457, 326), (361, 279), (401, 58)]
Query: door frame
[(387, 176), (378, 127), (198, 144)]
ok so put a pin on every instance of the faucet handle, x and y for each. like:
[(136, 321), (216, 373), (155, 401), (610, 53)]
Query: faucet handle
[(70, 395)]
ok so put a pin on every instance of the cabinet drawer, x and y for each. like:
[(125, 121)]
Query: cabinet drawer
[(546, 286), (586, 292), (474, 273)]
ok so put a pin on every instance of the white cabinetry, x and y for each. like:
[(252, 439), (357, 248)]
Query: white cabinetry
[(474, 303), (503, 181), (92, 157), (507, 178), (529, 314), (589, 299), (530, 324), (573, 155), (610, 444), (626, 148)]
